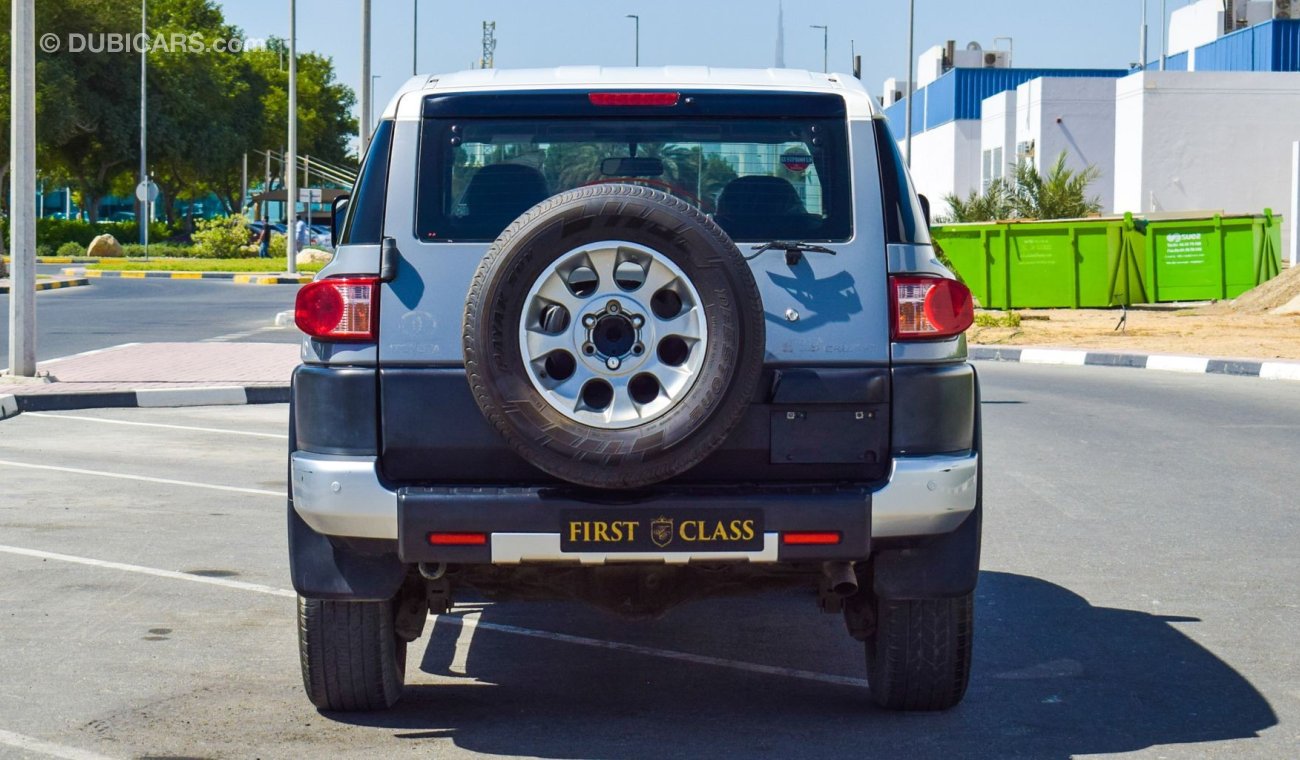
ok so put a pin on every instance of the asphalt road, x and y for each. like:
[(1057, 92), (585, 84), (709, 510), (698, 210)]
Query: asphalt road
[(109, 312), (1138, 595)]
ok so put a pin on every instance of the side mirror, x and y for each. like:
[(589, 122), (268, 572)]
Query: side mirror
[(338, 213), (925, 208)]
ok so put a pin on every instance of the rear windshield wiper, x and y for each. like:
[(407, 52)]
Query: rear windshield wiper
[(794, 250)]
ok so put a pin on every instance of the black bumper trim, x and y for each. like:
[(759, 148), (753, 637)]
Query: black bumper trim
[(421, 511)]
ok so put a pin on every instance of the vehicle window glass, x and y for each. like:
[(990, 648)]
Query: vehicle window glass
[(760, 179), (904, 219), (365, 219)]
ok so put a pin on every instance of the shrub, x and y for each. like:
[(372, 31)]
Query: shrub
[(43, 250), (57, 232), (160, 251), (71, 249), (222, 237), (1009, 319), (1061, 193)]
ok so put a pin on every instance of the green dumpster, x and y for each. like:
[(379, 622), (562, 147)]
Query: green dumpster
[(1097, 263)]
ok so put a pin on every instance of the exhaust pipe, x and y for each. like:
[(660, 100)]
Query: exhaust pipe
[(433, 573), (840, 577)]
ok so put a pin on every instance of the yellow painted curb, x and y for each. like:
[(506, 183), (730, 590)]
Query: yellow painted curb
[(187, 275)]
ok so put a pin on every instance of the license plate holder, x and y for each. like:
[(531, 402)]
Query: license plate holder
[(624, 530)]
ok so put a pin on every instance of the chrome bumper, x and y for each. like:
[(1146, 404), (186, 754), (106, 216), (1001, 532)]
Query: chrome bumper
[(342, 496)]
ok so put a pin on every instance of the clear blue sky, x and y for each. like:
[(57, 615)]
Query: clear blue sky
[(1047, 33)]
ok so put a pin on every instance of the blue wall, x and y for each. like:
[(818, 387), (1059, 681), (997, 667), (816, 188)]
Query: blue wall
[(1270, 46), (960, 94)]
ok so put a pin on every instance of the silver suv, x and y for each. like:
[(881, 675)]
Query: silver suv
[(636, 337)]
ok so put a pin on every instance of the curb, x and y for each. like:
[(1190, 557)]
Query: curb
[(234, 395), (58, 260), (127, 274), (75, 282), (253, 279), (1199, 365)]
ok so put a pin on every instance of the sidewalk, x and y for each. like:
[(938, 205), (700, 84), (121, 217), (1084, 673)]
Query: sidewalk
[(157, 374)]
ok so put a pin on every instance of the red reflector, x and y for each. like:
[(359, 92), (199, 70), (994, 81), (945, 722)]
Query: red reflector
[(338, 308), (930, 307), (458, 539), (633, 98), (806, 538)]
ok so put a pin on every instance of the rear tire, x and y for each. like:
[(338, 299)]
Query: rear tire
[(918, 656), (352, 658)]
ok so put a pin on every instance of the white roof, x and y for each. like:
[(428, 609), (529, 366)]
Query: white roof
[(859, 103)]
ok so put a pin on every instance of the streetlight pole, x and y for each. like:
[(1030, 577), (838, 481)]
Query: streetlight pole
[(364, 138), (144, 129), (415, 37), (22, 188), (911, 62), (373, 77), (825, 37), (1142, 48), (1164, 33), (291, 161), (636, 61)]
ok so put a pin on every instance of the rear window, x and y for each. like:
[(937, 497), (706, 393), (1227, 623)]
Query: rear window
[(759, 178)]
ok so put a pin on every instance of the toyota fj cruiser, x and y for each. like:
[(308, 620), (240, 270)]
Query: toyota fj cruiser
[(635, 337)]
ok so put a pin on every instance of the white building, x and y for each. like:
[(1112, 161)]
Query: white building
[(1211, 133), (1205, 140), (1048, 116)]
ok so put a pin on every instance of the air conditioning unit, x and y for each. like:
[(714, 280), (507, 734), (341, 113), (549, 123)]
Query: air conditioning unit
[(997, 59)]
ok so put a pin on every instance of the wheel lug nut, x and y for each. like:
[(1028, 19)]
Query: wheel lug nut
[(612, 363), (588, 349), (612, 307), (638, 349), (638, 320), (589, 320)]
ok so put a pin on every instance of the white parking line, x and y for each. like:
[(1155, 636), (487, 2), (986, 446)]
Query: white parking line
[(472, 623), (143, 478), (279, 436), (667, 654), (459, 660), (170, 574), (39, 746)]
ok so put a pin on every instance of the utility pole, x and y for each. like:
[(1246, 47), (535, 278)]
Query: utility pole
[(415, 37), (144, 129), (1142, 48), (243, 183), (911, 63), (373, 77), (291, 161), (636, 60), (1164, 33), (266, 189), (825, 45), (364, 138), (22, 188)]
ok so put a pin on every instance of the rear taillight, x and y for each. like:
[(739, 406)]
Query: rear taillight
[(339, 308), (926, 308)]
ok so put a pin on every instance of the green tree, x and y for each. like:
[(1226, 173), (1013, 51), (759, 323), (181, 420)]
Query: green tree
[(996, 202), (1060, 194)]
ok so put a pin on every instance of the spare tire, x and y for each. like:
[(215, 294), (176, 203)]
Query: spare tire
[(613, 336)]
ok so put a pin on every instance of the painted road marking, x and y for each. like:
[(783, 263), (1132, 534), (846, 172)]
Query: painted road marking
[(1052, 356), (168, 397), (459, 660), (1194, 364), (157, 573), (143, 478), (469, 622), (39, 746), (278, 436)]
